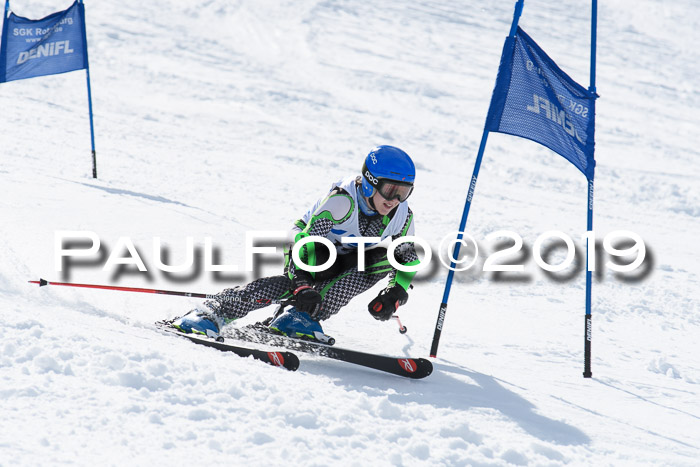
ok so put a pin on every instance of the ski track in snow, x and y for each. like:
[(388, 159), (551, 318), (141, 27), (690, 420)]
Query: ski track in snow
[(218, 118)]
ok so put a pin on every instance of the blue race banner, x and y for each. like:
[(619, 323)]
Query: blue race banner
[(535, 99), (51, 45)]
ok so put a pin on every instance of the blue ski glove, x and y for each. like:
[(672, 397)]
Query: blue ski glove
[(387, 302)]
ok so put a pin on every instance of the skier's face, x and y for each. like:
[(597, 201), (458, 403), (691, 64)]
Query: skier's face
[(383, 205)]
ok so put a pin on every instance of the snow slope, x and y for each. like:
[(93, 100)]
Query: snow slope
[(220, 118)]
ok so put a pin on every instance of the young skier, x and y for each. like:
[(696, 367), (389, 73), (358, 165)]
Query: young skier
[(371, 205)]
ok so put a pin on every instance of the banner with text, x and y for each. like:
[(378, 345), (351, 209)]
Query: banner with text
[(51, 45), (535, 99)]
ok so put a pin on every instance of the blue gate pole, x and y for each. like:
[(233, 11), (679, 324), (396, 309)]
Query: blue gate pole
[(460, 235), (89, 91), (589, 276), (4, 32), (588, 324)]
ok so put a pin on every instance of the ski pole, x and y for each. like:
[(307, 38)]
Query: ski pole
[(43, 282), (402, 328)]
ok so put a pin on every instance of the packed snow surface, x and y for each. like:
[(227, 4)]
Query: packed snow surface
[(218, 118)]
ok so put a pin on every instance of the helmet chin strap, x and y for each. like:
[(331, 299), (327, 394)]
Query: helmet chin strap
[(371, 203)]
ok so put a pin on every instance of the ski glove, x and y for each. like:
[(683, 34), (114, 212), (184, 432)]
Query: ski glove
[(308, 300), (387, 302)]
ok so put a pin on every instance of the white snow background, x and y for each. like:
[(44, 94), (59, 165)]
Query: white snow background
[(217, 118)]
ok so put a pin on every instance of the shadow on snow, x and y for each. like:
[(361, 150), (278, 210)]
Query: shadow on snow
[(443, 390)]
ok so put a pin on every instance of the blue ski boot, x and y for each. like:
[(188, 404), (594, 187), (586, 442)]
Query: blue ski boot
[(199, 322), (299, 325)]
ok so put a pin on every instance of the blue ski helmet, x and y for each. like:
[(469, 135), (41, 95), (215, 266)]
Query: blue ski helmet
[(390, 171)]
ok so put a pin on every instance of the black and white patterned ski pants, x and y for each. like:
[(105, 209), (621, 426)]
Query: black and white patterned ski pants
[(337, 285)]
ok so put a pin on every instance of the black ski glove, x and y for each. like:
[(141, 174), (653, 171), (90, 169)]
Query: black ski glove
[(308, 300), (387, 302)]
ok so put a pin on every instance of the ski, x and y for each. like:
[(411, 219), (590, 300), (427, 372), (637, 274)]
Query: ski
[(415, 368), (287, 360)]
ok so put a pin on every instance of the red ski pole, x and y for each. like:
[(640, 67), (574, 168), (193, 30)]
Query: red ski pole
[(402, 328), (43, 282)]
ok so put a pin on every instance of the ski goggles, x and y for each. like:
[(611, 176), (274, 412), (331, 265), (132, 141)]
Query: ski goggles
[(391, 189)]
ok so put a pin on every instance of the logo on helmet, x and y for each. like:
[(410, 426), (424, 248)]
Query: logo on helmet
[(373, 157), (371, 178)]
